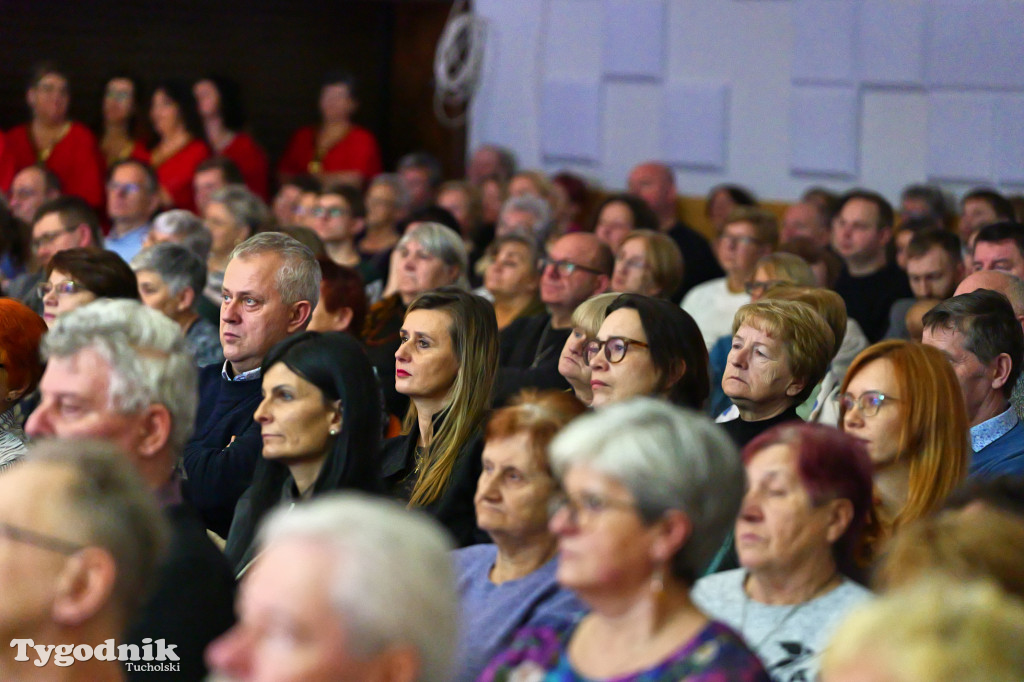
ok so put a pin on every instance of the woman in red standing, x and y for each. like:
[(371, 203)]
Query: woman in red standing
[(122, 134), (220, 106), (336, 151), (180, 147)]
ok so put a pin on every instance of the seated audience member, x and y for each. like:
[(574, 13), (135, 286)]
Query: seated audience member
[(620, 214), (575, 267), (655, 183), (445, 365), (824, 263), (387, 203), (233, 215), (171, 280), (531, 182), (980, 207), (125, 371), (179, 147), (270, 288), (794, 588), (722, 200), (647, 347), (15, 247), (780, 351), (370, 582), (869, 283), (462, 200), (342, 304), (639, 520), (122, 134), (179, 226), (213, 175), (648, 263), (421, 175), (289, 197), (936, 630), (570, 202), (133, 195), (805, 220), (978, 543), (320, 423), (528, 215), (934, 268), (491, 161), (75, 277), (747, 235), (905, 231), (493, 193), (1000, 246), (572, 364), (925, 201), (82, 543), (826, 200), (512, 279), (337, 151), (63, 223), (982, 338), (21, 330), (915, 318), (67, 147), (339, 217), (428, 256), (31, 187), (903, 400), (511, 584), (219, 101)]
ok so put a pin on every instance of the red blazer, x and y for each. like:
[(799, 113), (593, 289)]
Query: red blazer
[(175, 174), (250, 158), (76, 160), (356, 151)]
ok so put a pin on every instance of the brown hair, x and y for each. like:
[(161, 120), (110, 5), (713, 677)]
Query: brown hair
[(538, 414)]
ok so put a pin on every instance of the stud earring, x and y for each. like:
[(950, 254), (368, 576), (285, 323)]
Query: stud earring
[(333, 432)]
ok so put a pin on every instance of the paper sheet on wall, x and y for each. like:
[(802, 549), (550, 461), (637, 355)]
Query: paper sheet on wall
[(960, 136), (570, 120), (695, 125), (890, 45), (823, 130), (634, 38), (975, 43), (1008, 136), (823, 42)]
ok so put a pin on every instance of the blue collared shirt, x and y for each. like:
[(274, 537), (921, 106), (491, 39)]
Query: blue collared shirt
[(244, 376), (990, 430)]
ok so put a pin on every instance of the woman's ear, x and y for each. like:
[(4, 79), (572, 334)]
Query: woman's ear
[(673, 531), (336, 421)]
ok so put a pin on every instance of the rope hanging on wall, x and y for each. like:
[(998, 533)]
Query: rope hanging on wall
[(457, 64)]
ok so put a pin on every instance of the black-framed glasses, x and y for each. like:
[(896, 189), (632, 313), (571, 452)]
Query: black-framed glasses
[(868, 403), (615, 348), (41, 540), (48, 238), (584, 508), (754, 287), (332, 212), (66, 287), (564, 268)]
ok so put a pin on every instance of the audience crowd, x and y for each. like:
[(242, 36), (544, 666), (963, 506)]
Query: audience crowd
[(314, 420)]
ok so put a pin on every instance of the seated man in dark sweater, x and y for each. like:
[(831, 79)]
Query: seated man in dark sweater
[(869, 283), (271, 285), (577, 266), (120, 372)]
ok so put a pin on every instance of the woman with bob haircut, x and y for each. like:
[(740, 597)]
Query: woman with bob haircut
[(445, 364), (572, 364), (780, 351), (78, 276), (21, 330), (649, 493), (179, 148), (321, 423), (903, 400), (620, 214), (801, 535), (649, 263), (648, 346), (511, 584)]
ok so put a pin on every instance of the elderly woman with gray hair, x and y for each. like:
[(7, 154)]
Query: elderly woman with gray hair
[(233, 215), (650, 491)]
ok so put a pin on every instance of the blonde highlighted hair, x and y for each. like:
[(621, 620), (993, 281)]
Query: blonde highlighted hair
[(664, 259)]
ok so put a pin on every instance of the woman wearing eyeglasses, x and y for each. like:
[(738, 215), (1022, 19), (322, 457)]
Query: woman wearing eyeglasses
[(903, 401), (586, 321), (650, 491), (650, 347), (75, 277)]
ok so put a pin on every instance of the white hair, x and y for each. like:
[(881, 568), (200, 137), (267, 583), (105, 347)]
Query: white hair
[(393, 581), (668, 458), (444, 243)]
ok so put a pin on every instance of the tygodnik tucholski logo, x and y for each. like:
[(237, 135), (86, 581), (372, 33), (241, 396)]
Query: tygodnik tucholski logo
[(151, 656)]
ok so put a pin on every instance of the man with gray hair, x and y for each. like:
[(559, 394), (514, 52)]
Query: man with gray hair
[(271, 285), (421, 173), (527, 215), (368, 582), (82, 542), (119, 371)]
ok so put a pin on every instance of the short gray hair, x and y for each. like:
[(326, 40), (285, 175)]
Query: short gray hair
[(149, 362), (668, 458), (298, 278), (187, 229), (393, 583), (244, 206), (110, 506), (535, 206), (441, 242), (176, 265), (397, 185)]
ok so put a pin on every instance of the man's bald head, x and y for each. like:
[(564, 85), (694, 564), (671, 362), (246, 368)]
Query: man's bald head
[(654, 183), (1007, 285)]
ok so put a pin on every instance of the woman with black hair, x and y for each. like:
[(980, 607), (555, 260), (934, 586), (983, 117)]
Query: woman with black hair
[(121, 131), (179, 148), (219, 100), (320, 420)]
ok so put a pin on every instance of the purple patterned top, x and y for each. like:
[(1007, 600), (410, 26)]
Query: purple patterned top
[(716, 654)]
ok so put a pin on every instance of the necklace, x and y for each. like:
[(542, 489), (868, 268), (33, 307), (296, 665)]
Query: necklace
[(782, 621)]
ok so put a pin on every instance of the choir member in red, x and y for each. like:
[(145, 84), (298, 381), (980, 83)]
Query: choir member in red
[(67, 148), (6, 166), (180, 146), (337, 151), (122, 135), (220, 106)]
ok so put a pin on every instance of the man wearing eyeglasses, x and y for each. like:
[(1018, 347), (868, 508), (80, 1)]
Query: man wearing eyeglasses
[(576, 267), (80, 540), (132, 198), (339, 216)]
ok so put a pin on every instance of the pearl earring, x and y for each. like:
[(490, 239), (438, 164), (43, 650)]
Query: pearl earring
[(334, 432)]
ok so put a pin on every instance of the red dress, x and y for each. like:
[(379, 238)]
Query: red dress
[(75, 159), (175, 174), (357, 151), (250, 158), (6, 167)]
